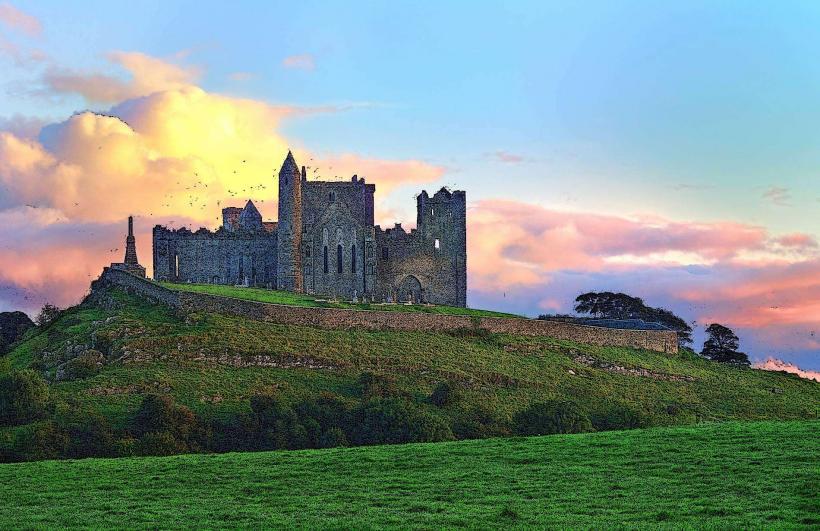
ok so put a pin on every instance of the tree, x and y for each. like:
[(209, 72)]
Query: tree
[(48, 314), (608, 305), (722, 345), (23, 397)]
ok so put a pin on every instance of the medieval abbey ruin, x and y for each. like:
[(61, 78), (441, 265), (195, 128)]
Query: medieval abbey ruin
[(326, 243)]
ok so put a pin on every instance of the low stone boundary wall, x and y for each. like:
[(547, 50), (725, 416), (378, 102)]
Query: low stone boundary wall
[(338, 318)]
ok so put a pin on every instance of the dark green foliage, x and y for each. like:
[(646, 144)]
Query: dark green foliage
[(159, 418), (159, 443), (332, 438), (478, 422), (13, 326), (373, 385), (85, 365), (23, 397), (39, 440), (395, 421), (446, 394), (48, 314), (721, 345), (87, 433), (619, 417), (552, 417)]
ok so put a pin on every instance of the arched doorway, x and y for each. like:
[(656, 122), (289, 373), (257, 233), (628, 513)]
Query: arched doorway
[(410, 290)]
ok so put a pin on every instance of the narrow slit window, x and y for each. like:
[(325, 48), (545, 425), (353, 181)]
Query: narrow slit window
[(325, 257), (353, 258), (339, 253)]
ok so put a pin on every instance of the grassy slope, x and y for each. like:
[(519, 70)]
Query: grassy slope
[(730, 475), (297, 299), (190, 361)]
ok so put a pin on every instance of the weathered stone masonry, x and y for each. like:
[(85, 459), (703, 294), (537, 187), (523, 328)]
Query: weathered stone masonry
[(332, 318), (325, 243)]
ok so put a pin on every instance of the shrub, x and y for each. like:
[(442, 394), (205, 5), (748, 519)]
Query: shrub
[(41, 440), (160, 414), (159, 443), (88, 433), (23, 397), (552, 417), (278, 424), (376, 386), (478, 422), (393, 421), (619, 417), (85, 365), (332, 438), (445, 394)]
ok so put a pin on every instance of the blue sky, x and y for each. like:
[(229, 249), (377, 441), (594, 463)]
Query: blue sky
[(689, 112)]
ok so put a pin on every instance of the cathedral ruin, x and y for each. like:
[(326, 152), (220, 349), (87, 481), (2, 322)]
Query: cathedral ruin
[(325, 243)]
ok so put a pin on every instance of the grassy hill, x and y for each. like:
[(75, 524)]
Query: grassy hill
[(299, 299), (728, 475), (214, 363)]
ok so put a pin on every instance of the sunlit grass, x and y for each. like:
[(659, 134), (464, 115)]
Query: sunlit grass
[(730, 475), (298, 299)]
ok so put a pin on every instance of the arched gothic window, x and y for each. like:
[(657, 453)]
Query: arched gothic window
[(353, 258), (325, 258), (339, 258)]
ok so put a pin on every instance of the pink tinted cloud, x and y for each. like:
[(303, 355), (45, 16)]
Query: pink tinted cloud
[(507, 157), (16, 19), (775, 364), (552, 239), (797, 240), (784, 293), (303, 61)]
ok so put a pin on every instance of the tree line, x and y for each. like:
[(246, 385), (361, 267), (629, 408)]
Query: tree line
[(38, 427), (721, 342)]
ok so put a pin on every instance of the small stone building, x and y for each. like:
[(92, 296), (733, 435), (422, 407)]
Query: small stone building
[(325, 243)]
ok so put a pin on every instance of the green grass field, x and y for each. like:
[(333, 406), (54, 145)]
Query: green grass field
[(729, 475), (298, 299), (211, 364)]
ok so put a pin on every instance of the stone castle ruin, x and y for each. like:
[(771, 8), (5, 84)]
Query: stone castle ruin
[(325, 243)]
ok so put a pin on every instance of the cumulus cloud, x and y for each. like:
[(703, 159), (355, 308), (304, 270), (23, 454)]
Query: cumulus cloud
[(16, 19), (303, 61), (169, 152), (147, 75), (775, 364)]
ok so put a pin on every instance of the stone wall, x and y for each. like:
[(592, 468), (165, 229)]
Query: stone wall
[(135, 285), (220, 257), (333, 318)]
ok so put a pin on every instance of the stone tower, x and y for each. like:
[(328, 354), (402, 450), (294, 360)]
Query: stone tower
[(130, 264), (289, 244), (442, 224), (131, 244)]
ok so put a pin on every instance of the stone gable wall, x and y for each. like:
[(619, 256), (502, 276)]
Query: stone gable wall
[(334, 318)]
